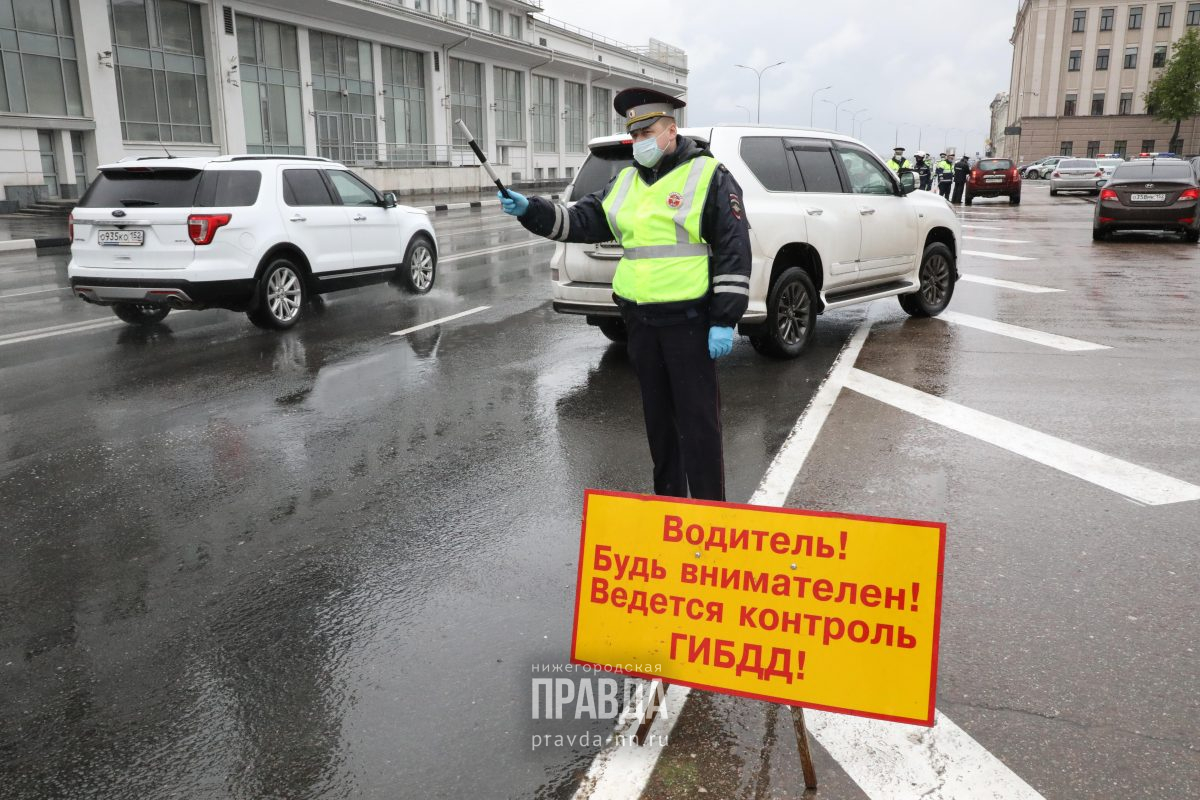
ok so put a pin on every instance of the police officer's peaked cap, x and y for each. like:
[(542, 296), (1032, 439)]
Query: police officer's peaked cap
[(899, 149), (640, 107)]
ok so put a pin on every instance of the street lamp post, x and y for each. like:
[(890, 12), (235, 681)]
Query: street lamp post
[(759, 73), (854, 121), (862, 126), (837, 107), (743, 108), (813, 103)]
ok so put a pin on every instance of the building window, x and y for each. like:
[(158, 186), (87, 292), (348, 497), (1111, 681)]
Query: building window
[(601, 111), (1106, 18), (495, 20), (1135, 19), (1130, 58), (510, 105), (545, 116), (420, 5), (343, 88), (39, 73), (466, 99), (1069, 106), (514, 26), (1073, 60), (451, 9), (1066, 148), (1079, 21), (1102, 59), (1193, 14), (1120, 146), (1126, 104), (269, 71), (1160, 55), (1164, 15), (1093, 149), (1097, 104), (1147, 146), (575, 101), (474, 13), (404, 109)]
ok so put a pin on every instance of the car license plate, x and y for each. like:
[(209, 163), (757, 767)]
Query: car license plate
[(1147, 198), (122, 238), (994, 180)]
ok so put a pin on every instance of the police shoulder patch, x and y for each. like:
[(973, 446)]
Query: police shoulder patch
[(735, 206)]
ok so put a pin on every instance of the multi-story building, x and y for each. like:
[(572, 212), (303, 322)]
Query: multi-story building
[(996, 140), (374, 83), (1080, 72)]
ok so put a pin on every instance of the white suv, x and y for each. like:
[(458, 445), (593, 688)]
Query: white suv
[(259, 234), (830, 226)]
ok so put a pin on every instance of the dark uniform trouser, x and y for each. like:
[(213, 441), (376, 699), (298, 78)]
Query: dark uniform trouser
[(944, 188), (682, 405), (926, 182), (958, 191)]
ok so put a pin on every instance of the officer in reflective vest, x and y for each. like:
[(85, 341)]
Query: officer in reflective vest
[(945, 175), (898, 162), (682, 284)]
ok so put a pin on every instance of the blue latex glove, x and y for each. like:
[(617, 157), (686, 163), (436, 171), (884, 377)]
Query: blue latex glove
[(516, 206), (720, 341)]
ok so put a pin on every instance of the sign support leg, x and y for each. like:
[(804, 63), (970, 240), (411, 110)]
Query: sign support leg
[(658, 691), (806, 764)]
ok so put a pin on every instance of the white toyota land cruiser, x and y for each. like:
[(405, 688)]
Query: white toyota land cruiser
[(830, 226)]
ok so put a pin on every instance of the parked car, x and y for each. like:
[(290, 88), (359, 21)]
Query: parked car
[(259, 234), (1195, 162), (1040, 169), (831, 227), (1076, 175), (1109, 163), (1158, 194), (994, 177)]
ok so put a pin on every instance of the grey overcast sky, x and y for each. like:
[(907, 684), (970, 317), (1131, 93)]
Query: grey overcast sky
[(930, 64)]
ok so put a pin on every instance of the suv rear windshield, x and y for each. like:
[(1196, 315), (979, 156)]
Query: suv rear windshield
[(600, 167), (1144, 171), (173, 188), (136, 188), (994, 163)]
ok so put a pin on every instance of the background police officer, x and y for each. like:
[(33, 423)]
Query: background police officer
[(962, 168), (924, 170), (898, 162), (682, 284), (945, 175)]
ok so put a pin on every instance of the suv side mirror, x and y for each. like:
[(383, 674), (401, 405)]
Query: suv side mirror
[(389, 200), (908, 181)]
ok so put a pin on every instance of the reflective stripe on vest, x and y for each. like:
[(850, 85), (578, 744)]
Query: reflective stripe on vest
[(665, 258)]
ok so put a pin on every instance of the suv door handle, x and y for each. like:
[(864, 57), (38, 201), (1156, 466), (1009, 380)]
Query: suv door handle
[(866, 211), (359, 217), (815, 212), (297, 218)]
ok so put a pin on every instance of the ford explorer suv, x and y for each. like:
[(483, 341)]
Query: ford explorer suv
[(830, 227), (259, 234)]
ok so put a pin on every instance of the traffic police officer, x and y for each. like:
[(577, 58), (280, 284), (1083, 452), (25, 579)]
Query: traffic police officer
[(898, 162), (962, 168), (682, 284), (945, 175), (924, 170)]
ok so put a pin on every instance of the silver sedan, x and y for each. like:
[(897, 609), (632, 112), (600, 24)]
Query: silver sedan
[(1076, 175)]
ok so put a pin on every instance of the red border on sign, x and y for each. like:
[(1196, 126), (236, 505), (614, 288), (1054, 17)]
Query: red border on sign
[(937, 611)]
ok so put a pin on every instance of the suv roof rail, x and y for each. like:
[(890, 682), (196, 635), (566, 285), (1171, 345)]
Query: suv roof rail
[(266, 157)]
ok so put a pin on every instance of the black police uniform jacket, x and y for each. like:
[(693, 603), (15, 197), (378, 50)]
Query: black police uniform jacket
[(723, 226)]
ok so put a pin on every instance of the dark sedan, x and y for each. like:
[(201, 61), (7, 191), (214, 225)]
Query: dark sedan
[(1158, 194)]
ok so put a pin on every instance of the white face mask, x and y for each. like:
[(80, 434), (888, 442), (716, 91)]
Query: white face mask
[(647, 152)]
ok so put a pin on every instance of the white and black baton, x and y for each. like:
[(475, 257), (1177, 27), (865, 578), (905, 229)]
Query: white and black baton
[(462, 126)]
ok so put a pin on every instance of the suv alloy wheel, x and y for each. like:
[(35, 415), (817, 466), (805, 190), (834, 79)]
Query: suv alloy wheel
[(419, 267), (937, 283), (791, 316), (279, 297)]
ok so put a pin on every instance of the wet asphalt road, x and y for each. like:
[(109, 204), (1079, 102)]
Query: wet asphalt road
[(318, 563), (321, 563)]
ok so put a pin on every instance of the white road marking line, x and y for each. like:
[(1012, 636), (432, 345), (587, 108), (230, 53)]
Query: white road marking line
[(990, 239), (1015, 285), (62, 327), (1024, 334), (35, 291), (1126, 479), (997, 256), (535, 242), (984, 228), (62, 331), (450, 318)]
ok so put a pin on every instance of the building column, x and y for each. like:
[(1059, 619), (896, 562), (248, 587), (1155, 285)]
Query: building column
[(227, 84), (68, 182), (380, 99), (308, 107), (93, 38)]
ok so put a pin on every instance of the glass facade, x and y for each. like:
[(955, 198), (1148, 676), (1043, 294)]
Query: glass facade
[(269, 71), (466, 98), (404, 93), (575, 101), (39, 73), (510, 105), (545, 117), (343, 96), (161, 72), (602, 111)]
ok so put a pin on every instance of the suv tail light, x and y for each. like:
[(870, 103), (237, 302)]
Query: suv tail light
[(1190, 194), (975, 174), (1108, 194), (71, 227), (1013, 175), (203, 227)]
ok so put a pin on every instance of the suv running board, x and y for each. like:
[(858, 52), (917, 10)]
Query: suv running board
[(852, 296)]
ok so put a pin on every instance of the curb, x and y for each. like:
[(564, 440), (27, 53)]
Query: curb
[(14, 245)]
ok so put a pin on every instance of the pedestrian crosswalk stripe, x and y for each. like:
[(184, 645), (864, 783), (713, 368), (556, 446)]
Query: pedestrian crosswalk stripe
[(1017, 332), (997, 256), (1001, 284), (1001, 241)]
